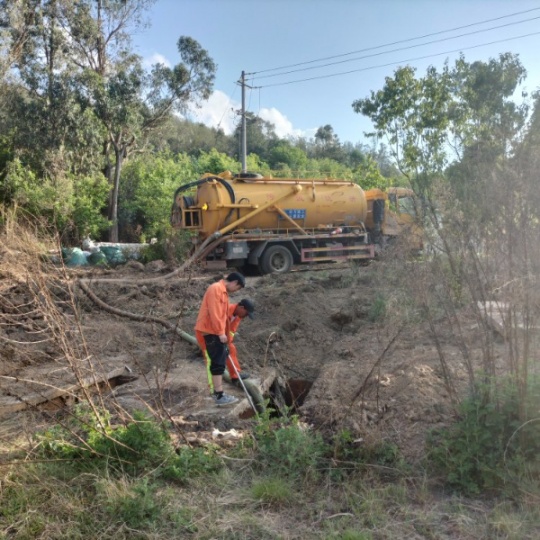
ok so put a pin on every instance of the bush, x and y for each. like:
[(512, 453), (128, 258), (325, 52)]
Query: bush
[(192, 462), (136, 448), (147, 191), (71, 203), (490, 447), (287, 448), (172, 246), (377, 453)]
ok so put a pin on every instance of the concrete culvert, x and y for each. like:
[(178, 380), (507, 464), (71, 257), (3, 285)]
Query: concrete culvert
[(289, 395)]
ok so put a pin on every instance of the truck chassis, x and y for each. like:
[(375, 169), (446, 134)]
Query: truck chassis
[(277, 252)]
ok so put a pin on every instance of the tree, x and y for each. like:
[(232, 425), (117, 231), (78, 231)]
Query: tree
[(129, 102), (484, 122), (443, 117), (44, 114), (260, 134), (284, 155), (179, 135), (327, 143), (147, 190), (50, 149), (16, 22), (413, 115)]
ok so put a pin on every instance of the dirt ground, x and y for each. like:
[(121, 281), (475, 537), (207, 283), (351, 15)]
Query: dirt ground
[(314, 330)]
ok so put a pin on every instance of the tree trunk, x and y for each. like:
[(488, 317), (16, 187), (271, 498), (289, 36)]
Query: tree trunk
[(113, 201)]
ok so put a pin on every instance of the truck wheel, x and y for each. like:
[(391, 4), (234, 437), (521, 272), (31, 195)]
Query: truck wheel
[(276, 260)]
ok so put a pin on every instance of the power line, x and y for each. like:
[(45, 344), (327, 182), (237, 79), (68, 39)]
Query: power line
[(400, 49), (395, 42), (400, 61), (226, 108)]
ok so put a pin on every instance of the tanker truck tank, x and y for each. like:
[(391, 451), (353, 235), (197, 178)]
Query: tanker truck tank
[(310, 220)]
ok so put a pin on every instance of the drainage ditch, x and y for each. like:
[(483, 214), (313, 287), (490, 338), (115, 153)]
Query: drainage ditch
[(283, 398)]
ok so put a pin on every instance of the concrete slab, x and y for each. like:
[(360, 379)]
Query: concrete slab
[(35, 385), (184, 391)]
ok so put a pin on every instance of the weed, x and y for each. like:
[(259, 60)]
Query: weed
[(377, 310), (275, 491), (136, 505)]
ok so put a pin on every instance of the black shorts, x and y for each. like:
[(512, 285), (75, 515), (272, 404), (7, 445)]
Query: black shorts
[(217, 352)]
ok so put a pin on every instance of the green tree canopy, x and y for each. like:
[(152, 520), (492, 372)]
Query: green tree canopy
[(434, 120)]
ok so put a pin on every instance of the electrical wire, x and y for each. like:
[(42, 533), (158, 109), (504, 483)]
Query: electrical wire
[(226, 108), (400, 49), (400, 61), (396, 42)]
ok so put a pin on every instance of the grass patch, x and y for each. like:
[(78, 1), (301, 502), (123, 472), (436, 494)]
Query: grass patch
[(273, 491)]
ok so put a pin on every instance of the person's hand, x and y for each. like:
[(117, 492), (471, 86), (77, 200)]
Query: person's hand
[(223, 338)]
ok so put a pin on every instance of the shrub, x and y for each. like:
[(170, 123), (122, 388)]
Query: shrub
[(192, 462), (138, 447), (72, 203), (287, 448), (171, 246), (490, 446)]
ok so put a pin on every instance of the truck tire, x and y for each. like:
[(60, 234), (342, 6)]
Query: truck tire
[(276, 260)]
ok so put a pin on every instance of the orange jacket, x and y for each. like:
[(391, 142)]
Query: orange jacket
[(213, 313), (234, 321)]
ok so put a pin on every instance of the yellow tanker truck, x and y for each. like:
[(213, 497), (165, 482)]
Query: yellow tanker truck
[(272, 223)]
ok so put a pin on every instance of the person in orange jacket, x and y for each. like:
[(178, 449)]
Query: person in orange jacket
[(237, 313), (212, 332)]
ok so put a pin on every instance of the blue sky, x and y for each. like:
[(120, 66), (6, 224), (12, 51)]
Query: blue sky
[(259, 35)]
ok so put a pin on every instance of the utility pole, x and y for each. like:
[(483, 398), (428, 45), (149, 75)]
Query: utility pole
[(244, 134), (242, 83)]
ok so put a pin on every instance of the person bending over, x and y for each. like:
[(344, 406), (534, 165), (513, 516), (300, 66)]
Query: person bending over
[(237, 313)]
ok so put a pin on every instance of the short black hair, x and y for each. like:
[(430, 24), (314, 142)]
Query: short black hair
[(248, 305), (237, 276)]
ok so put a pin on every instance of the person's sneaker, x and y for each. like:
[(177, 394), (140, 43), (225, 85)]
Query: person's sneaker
[(225, 399)]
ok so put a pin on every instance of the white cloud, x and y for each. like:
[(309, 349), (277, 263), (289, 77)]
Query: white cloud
[(283, 125), (156, 58), (219, 111), (224, 112)]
